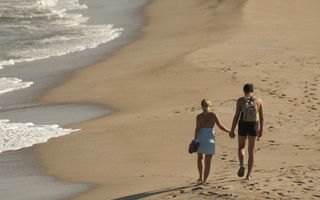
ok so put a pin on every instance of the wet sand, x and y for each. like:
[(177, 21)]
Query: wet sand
[(188, 51)]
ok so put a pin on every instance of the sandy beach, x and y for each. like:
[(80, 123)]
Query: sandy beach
[(189, 50)]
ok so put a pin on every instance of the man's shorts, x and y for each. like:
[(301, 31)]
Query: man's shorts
[(248, 128)]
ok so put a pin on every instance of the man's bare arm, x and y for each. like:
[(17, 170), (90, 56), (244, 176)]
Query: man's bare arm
[(261, 119)]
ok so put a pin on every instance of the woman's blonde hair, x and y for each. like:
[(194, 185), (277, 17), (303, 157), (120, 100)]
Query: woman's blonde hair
[(205, 103)]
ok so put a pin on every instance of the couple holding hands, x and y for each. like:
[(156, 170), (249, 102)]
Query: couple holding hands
[(248, 116)]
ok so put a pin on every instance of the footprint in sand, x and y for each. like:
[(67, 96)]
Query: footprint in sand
[(225, 195), (212, 193), (282, 194), (300, 183), (224, 157), (280, 123), (205, 193), (308, 189), (270, 128), (303, 148), (192, 109), (196, 188)]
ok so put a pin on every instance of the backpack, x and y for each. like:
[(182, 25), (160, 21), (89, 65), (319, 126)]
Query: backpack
[(249, 110)]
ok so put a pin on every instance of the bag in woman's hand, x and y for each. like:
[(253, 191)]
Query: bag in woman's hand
[(194, 146)]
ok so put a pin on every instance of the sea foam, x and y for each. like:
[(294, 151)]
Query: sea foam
[(19, 135), (10, 84)]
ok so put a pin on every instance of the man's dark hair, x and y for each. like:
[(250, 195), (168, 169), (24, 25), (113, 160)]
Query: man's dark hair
[(247, 88)]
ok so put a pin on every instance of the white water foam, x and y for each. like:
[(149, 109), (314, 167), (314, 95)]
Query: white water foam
[(20, 135), (10, 84)]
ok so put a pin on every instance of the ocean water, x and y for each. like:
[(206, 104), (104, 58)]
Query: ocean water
[(37, 29)]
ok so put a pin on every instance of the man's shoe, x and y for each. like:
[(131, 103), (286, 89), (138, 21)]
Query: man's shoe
[(241, 171)]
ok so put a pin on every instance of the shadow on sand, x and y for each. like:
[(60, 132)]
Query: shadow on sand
[(155, 192)]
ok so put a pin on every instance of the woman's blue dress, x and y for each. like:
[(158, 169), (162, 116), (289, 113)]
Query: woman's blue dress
[(207, 140)]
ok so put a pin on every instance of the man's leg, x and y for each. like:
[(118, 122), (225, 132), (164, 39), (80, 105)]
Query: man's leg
[(207, 167), (241, 146), (200, 166), (251, 149)]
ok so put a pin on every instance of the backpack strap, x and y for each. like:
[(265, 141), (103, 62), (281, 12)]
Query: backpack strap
[(249, 99)]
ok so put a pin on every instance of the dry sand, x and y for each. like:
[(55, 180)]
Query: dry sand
[(187, 51)]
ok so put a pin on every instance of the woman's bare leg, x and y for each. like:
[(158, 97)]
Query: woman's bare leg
[(200, 166), (207, 167)]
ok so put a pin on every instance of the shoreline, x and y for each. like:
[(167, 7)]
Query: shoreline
[(124, 153), (22, 105)]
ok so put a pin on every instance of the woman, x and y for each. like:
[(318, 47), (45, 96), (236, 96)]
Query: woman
[(204, 134)]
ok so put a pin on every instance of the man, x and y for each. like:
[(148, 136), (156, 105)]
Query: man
[(250, 110)]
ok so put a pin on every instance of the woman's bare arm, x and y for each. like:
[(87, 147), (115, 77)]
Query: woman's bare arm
[(236, 117), (220, 125)]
